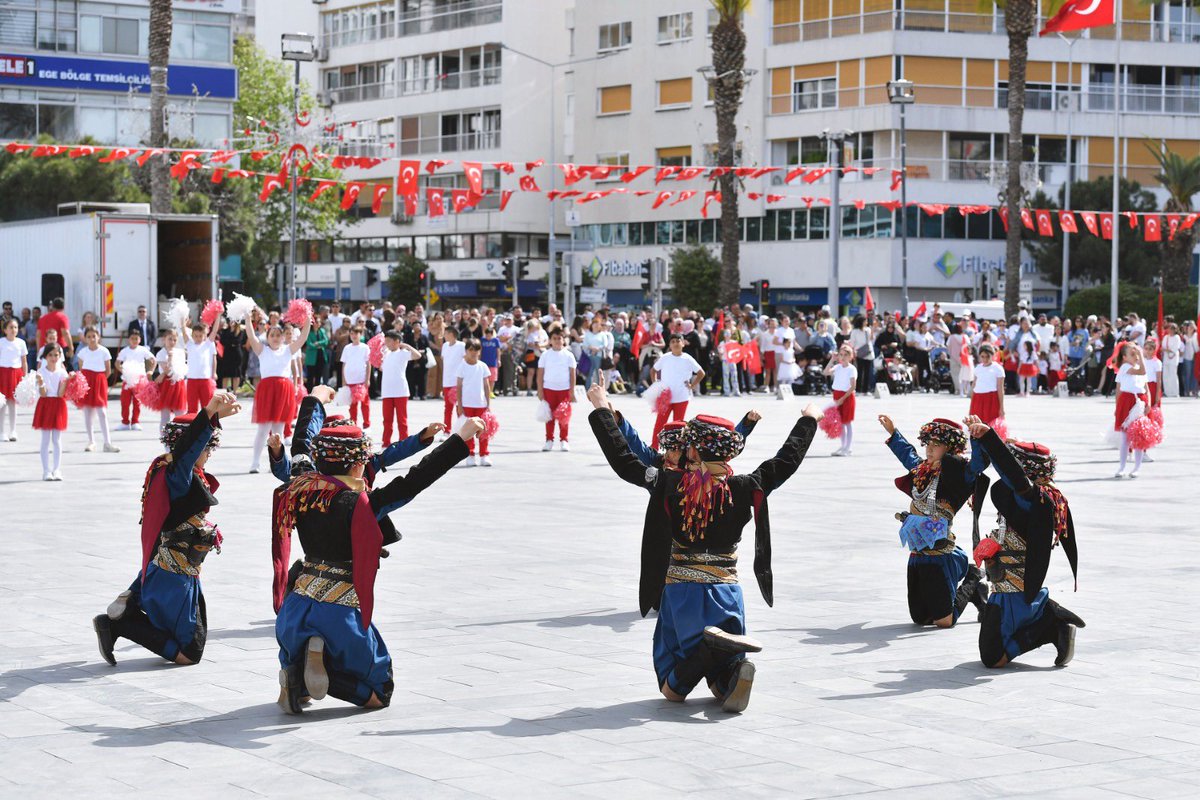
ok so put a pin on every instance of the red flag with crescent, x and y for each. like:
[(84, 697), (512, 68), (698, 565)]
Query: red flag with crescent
[(350, 195), (474, 172), (435, 203), (1089, 221), (377, 194), (1106, 226), (528, 184), (1152, 231), (1066, 221), (407, 184), (1075, 15)]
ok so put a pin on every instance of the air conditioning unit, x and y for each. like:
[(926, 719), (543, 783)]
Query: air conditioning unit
[(322, 53), (324, 99)]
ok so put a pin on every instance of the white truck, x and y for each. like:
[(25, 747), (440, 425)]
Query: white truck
[(109, 259)]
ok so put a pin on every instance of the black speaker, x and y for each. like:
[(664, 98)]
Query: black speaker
[(53, 285)]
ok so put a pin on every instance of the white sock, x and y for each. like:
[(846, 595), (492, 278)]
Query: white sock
[(102, 414), (46, 451), (848, 435), (1124, 451), (1138, 455), (89, 423), (260, 441), (10, 408), (164, 417), (55, 439)]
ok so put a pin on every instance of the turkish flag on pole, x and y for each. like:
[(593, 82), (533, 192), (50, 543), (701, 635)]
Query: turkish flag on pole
[(1075, 15), (639, 338), (1066, 221), (1152, 231), (868, 301)]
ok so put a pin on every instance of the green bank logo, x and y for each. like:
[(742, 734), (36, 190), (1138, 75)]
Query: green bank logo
[(595, 269), (947, 264)]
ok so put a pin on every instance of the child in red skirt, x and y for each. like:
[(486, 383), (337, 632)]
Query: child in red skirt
[(1154, 368), (1132, 401), (95, 363), (845, 376), (172, 378), (987, 390), (14, 363), (1027, 368), (50, 415), (275, 397), (202, 366)]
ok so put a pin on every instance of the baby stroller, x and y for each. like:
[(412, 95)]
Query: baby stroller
[(1077, 382), (812, 380), (939, 370), (896, 370)]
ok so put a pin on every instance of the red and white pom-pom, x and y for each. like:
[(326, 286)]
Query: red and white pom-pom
[(26, 394), (1000, 427), (341, 397), (543, 413), (213, 310), (132, 372), (299, 313), (148, 394), (375, 351), (176, 314), (1144, 433), (301, 393), (831, 422), (658, 396), (450, 395), (240, 307), (358, 393), (562, 413), (77, 388), (178, 365), (491, 425), (1156, 414)]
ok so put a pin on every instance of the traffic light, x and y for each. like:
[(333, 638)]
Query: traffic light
[(421, 278), (764, 292), (647, 276), (522, 268), (372, 275), (510, 273)]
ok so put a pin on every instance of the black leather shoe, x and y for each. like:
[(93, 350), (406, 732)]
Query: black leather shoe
[(1067, 615), (719, 639), (291, 689), (1065, 644), (739, 695), (105, 638)]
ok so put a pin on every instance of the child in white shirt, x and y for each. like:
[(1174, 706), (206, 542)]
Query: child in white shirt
[(394, 385), (201, 367), (140, 361), (453, 353), (474, 395), (356, 375)]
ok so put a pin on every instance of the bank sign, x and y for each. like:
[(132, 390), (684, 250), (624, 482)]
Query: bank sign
[(950, 264), (613, 269), (95, 75)]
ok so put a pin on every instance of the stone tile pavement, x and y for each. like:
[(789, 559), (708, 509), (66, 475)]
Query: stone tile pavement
[(523, 667)]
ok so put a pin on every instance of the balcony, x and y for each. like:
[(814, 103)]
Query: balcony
[(366, 91), (434, 17), (451, 143), (450, 81)]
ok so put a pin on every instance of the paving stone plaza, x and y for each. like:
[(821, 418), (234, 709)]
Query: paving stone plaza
[(522, 665)]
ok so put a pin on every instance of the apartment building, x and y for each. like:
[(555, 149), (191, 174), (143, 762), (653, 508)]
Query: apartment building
[(72, 68), (455, 80)]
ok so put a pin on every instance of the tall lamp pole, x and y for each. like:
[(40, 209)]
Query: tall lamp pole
[(901, 93), (297, 48), (1066, 261)]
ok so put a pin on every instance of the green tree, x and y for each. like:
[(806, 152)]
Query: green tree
[(1181, 178), (31, 188), (1137, 297), (729, 58), (159, 50), (1091, 256), (403, 283), (696, 274)]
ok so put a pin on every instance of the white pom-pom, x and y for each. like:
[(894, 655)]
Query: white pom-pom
[(544, 414), (239, 307), (26, 393), (3, 399), (132, 372), (177, 314), (342, 397), (178, 364)]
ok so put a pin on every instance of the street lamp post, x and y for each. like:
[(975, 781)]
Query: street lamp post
[(838, 140), (297, 48), (1066, 261), (901, 93)]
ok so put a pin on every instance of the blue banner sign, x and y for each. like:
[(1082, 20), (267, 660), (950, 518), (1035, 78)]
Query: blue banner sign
[(90, 74)]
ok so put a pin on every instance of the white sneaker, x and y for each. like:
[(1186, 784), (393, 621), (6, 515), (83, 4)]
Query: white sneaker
[(565, 447), (485, 461), (838, 452), (136, 426), (847, 452), (124, 427), (12, 437), (1133, 474), (111, 448), (58, 475), (469, 461), (90, 448), (1119, 475), (547, 447), (47, 476), (254, 470)]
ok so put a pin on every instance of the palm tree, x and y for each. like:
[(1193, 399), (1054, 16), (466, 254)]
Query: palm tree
[(160, 52), (1181, 178), (729, 59)]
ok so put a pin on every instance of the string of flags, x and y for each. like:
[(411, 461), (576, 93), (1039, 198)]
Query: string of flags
[(440, 200)]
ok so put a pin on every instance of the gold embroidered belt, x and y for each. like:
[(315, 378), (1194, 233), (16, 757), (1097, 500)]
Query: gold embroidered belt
[(327, 582), (689, 567)]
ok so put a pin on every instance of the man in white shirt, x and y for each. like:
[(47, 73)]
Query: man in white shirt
[(1044, 332), (335, 317)]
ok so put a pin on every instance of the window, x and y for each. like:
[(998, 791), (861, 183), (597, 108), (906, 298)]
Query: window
[(674, 156), (674, 27), (614, 160), (615, 99), (814, 94), (615, 36), (714, 17), (710, 154), (970, 156), (676, 93)]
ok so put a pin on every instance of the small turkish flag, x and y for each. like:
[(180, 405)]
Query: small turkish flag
[(116, 154), (1076, 15), (633, 173), (410, 205), (1066, 220), (504, 166), (792, 175), (322, 187), (1089, 220), (474, 172), (897, 179), (1172, 226), (1189, 221), (270, 184), (434, 165), (1153, 229), (407, 186), (218, 175), (529, 165), (814, 175), (733, 353), (571, 174), (435, 205), (921, 309), (505, 196), (664, 173), (686, 195), (1027, 219), (687, 173), (1132, 217), (860, 204), (528, 184), (350, 195), (1004, 217), (1106, 226), (1044, 226), (377, 194), (709, 197), (661, 198)]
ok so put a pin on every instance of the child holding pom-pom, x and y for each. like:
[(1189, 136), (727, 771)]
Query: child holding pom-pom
[(845, 374), (135, 362), (1132, 403), (201, 366), (556, 373), (682, 374), (356, 376), (474, 397), (95, 364), (453, 353), (172, 378), (275, 397), (14, 363), (50, 416)]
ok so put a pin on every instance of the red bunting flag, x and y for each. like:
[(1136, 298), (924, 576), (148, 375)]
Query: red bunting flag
[(377, 194), (890, 205), (758, 173), (1188, 221), (1106, 226), (597, 172), (1066, 221), (860, 204), (718, 172), (1132, 217), (218, 175), (775, 198), (688, 173), (571, 173), (661, 198), (1004, 217), (973, 209), (1089, 221), (685, 195), (590, 196), (531, 165), (814, 175), (795, 173), (1152, 232), (82, 150), (1172, 226), (709, 197), (434, 165), (743, 172), (933, 209), (504, 166), (1045, 226), (271, 184), (505, 196), (460, 200), (870, 170), (322, 188), (897, 179), (474, 172), (664, 173), (528, 184), (434, 202), (410, 205), (1027, 219), (633, 173), (350, 195), (17, 147), (407, 184), (146, 156)]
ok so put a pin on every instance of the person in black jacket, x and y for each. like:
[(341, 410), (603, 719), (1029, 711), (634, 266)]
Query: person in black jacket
[(693, 526), (1033, 518), (327, 644), (163, 609), (941, 580)]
